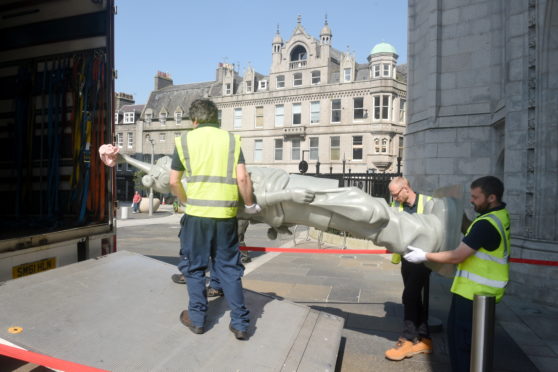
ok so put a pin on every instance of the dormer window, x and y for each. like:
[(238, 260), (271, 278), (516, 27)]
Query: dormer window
[(228, 89), (249, 86), (116, 117), (178, 117), (162, 118), (148, 117), (346, 74), (263, 85), (129, 117)]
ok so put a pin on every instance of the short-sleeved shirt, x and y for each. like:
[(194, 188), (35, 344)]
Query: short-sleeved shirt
[(177, 163), (483, 234)]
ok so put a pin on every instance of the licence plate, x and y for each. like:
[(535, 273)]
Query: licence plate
[(33, 267)]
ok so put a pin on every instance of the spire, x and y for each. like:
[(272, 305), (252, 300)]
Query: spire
[(325, 34)]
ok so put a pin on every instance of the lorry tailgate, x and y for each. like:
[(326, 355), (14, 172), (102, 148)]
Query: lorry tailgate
[(120, 313)]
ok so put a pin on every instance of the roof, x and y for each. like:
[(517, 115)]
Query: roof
[(131, 108), (170, 98)]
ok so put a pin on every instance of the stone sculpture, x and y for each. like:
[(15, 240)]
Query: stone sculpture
[(290, 199)]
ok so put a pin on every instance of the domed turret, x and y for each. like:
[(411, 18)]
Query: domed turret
[(277, 41), (383, 48)]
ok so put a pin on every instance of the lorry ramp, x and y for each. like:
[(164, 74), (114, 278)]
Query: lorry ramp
[(120, 313)]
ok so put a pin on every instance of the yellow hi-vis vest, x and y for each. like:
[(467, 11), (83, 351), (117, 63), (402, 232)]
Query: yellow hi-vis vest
[(210, 156), (421, 199), (486, 272)]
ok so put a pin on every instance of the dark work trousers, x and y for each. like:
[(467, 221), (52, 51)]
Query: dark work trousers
[(460, 329), (416, 281), (202, 239)]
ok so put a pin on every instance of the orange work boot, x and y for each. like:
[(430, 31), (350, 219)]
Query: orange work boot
[(403, 349), (423, 346)]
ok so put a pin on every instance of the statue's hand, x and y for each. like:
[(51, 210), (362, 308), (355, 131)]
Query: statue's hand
[(302, 196)]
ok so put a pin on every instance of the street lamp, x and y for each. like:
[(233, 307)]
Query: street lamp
[(150, 140)]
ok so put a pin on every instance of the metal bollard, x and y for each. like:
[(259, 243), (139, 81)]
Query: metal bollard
[(482, 342), (124, 213)]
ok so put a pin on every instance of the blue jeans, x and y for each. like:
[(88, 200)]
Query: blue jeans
[(202, 239)]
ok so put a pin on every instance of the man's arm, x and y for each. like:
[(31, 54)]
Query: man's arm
[(176, 185), (458, 255), (244, 184)]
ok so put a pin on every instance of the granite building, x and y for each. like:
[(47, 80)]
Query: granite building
[(483, 99), (316, 103)]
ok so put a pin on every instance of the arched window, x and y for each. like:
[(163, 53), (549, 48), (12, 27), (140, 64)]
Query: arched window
[(377, 145), (298, 53)]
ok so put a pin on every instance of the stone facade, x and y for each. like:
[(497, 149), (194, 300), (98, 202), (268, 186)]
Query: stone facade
[(483, 99), (316, 103)]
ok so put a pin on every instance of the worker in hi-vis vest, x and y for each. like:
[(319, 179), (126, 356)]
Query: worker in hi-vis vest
[(482, 260), (415, 337), (212, 161)]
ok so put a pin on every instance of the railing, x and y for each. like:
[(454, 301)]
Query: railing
[(374, 184), (297, 64)]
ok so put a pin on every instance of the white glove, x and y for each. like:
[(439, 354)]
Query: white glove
[(416, 255), (252, 209)]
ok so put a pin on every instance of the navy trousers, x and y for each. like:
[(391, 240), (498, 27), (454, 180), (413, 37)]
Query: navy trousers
[(204, 239), (460, 330), (416, 281)]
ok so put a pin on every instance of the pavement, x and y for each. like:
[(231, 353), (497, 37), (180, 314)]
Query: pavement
[(366, 291)]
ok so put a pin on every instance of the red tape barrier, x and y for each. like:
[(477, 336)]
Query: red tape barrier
[(45, 360), (370, 251)]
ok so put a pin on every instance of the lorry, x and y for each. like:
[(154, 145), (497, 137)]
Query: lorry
[(57, 200)]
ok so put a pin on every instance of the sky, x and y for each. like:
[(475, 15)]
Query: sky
[(187, 39)]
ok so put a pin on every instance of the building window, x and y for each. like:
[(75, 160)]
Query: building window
[(314, 146), (296, 113), (295, 149), (178, 117), (259, 117), (162, 137), (130, 140), (316, 77), (129, 167), (228, 89), (384, 145), (162, 118), (279, 115), (376, 70), (129, 118), (334, 148), (278, 149), (335, 110), (116, 118), (177, 134), (237, 123), (120, 140), (148, 117), (402, 110), (386, 69), (357, 147), (263, 84), (314, 112), (347, 74), (297, 79), (377, 145), (119, 167), (358, 108), (381, 107), (258, 150), (249, 86), (280, 81)]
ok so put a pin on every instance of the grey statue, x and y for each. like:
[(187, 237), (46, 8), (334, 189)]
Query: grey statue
[(290, 199)]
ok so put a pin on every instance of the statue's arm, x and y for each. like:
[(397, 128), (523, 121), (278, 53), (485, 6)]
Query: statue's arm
[(298, 195)]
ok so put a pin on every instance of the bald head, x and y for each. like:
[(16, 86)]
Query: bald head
[(401, 191)]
